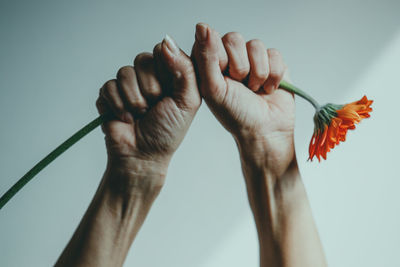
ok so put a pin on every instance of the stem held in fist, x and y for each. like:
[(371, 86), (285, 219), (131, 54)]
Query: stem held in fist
[(94, 124)]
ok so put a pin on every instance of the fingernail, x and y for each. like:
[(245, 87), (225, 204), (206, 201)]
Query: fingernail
[(201, 32), (171, 44)]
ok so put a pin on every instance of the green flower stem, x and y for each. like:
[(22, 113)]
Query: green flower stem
[(293, 89), (50, 157), (91, 126)]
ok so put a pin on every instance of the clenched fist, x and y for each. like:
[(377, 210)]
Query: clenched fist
[(154, 102), (239, 81)]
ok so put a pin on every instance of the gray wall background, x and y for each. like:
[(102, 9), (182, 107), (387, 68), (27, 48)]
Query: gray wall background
[(54, 55)]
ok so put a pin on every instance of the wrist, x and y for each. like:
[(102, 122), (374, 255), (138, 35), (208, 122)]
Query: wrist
[(273, 153), (132, 176)]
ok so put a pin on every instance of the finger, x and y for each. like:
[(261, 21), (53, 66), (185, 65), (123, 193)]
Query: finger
[(102, 106), (276, 70), (259, 69), (146, 76), (110, 93), (286, 75), (238, 61), (180, 67), (129, 88), (161, 71), (222, 55), (206, 54)]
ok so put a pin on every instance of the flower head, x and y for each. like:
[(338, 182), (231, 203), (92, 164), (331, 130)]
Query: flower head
[(331, 123)]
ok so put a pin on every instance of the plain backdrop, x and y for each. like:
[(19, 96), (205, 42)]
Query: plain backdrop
[(55, 55)]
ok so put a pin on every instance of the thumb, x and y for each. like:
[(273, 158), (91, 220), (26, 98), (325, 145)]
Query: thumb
[(179, 65), (210, 59)]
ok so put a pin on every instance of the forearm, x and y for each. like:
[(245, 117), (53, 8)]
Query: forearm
[(286, 229), (112, 220)]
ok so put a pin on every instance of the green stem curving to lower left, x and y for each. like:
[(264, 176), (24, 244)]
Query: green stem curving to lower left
[(91, 126), (50, 157)]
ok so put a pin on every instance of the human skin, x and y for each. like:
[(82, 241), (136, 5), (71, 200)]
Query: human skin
[(239, 82), (153, 103)]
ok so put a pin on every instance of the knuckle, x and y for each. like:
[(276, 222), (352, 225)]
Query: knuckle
[(101, 105), (153, 91), (255, 44), (142, 58), (241, 71), (275, 76), (119, 106), (125, 72), (140, 105), (108, 85), (108, 88), (136, 103), (232, 38), (260, 75), (274, 52), (157, 49)]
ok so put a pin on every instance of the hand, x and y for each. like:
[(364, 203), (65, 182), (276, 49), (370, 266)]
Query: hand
[(239, 82), (153, 102)]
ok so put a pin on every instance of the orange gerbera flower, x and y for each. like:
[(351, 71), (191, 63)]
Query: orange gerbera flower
[(332, 122)]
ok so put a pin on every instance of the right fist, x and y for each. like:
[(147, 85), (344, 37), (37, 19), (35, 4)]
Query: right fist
[(153, 103), (239, 81)]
